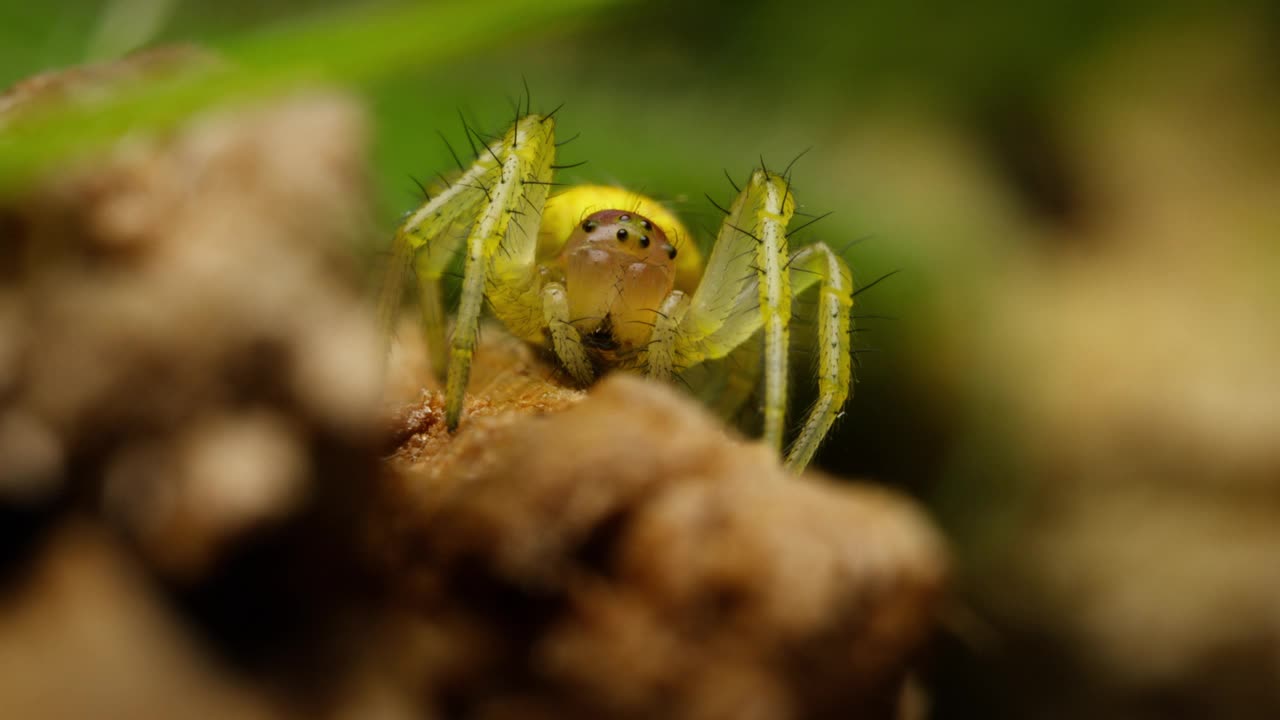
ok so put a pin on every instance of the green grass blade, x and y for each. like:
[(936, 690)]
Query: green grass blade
[(339, 48)]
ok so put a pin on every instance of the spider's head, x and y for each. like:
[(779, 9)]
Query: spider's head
[(618, 264), (628, 232)]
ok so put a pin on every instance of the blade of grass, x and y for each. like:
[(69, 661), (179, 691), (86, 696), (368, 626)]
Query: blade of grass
[(339, 48)]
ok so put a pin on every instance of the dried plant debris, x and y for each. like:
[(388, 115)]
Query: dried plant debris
[(205, 512)]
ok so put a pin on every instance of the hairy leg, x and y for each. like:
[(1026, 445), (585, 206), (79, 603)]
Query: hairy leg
[(426, 242), (835, 303), (473, 214), (746, 289), (775, 307), (483, 239)]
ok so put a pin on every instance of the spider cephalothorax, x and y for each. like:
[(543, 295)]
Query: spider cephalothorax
[(606, 278), (618, 268)]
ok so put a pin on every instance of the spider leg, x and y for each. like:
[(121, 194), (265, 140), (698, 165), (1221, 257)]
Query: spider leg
[(434, 322), (500, 251), (775, 306), (818, 263), (747, 289), (474, 214), (747, 271), (514, 281), (741, 370), (725, 384), (426, 241)]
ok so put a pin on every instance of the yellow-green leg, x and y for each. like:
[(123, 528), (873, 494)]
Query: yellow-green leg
[(745, 289), (835, 372), (484, 238), (775, 304), (509, 178), (426, 242), (389, 297), (434, 322), (462, 343)]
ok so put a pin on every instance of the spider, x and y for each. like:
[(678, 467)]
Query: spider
[(606, 278)]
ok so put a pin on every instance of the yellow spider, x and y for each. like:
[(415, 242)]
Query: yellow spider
[(606, 278)]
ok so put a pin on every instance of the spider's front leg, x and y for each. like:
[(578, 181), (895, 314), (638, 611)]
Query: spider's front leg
[(818, 263), (425, 243), (746, 271), (500, 199), (747, 288), (501, 262)]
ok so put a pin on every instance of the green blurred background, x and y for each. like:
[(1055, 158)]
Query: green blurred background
[(1079, 350)]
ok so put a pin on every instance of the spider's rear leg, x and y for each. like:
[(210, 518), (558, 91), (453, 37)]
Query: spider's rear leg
[(818, 263), (434, 323)]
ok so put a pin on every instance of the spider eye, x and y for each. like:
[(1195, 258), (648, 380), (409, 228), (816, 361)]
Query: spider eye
[(646, 224), (624, 218), (622, 235), (644, 241), (671, 251), (589, 225)]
